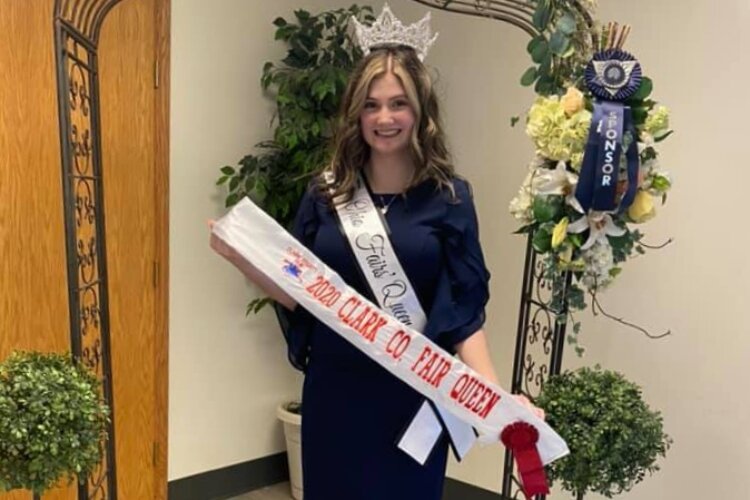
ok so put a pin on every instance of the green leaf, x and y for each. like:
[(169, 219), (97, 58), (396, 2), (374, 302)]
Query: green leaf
[(227, 170), (567, 24), (542, 240), (545, 86), (538, 49), (559, 42), (644, 90), (663, 135), (547, 208), (525, 229), (302, 15), (542, 15), (639, 115), (545, 68), (231, 200), (222, 180), (279, 22), (529, 77), (514, 120)]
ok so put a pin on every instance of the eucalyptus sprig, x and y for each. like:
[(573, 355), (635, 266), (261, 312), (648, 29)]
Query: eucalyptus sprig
[(564, 44)]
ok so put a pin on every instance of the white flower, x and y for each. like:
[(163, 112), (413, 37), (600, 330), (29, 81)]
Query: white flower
[(520, 206), (647, 141), (558, 181), (599, 224), (598, 261)]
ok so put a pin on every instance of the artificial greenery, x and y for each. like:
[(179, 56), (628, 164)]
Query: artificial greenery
[(614, 438), (307, 86), (578, 261), (563, 46), (52, 421)]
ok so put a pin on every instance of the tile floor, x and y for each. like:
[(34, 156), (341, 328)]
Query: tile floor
[(279, 491)]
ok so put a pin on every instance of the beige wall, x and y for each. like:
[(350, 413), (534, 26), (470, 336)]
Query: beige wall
[(228, 372)]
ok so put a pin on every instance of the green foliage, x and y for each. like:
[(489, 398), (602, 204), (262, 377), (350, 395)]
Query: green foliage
[(307, 86), (548, 208), (542, 239), (561, 48), (614, 437), (52, 421), (623, 246)]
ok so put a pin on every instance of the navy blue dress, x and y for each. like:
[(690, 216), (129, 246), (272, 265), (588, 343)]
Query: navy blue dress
[(354, 412)]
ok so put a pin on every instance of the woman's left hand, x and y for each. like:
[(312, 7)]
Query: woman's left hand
[(538, 412)]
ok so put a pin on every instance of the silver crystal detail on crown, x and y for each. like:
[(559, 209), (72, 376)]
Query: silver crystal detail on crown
[(388, 30)]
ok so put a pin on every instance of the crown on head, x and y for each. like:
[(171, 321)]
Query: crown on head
[(388, 30)]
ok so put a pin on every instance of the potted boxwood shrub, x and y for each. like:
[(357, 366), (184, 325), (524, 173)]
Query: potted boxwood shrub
[(52, 421), (307, 86), (615, 439)]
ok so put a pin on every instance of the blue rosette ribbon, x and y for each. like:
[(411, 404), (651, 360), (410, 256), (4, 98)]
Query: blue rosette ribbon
[(613, 76)]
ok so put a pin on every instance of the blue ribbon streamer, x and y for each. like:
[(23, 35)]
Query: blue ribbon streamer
[(597, 184)]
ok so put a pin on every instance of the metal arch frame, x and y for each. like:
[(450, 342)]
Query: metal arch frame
[(518, 13), (541, 321), (77, 25)]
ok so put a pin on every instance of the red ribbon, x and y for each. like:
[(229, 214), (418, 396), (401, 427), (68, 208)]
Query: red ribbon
[(521, 438)]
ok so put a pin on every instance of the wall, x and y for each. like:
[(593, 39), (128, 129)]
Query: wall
[(227, 371)]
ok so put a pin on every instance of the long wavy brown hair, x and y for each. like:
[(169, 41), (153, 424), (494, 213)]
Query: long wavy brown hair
[(428, 148)]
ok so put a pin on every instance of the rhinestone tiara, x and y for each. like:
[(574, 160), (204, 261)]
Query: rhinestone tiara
[(388, 30)]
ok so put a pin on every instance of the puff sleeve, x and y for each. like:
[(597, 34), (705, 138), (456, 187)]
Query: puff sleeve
[(297, 325), (463, 289)]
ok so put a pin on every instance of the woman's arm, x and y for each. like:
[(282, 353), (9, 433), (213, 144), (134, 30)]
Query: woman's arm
[(475, 352), (251, 272)]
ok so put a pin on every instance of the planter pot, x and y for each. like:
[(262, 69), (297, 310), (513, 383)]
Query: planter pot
[(292, 430)]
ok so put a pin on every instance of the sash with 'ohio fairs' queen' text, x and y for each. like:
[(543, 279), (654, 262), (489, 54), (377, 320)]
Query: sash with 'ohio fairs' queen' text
[(364, 229)]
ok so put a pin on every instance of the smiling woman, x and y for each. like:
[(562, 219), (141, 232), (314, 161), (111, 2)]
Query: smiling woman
[(388, 118), (389, 141)]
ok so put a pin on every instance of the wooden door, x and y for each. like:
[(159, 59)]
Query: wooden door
[(131, 100), (33, 269)]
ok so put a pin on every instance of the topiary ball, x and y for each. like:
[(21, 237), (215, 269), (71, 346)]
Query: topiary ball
[(614, 438), (52, 421)]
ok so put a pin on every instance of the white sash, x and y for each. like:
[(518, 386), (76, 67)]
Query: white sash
[(401, 350), (363, 227)]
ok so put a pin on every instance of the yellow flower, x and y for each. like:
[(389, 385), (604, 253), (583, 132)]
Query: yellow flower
[(657, 121), (557, 136), (572, 102), (566, 255), (560, 232), (642, 208)]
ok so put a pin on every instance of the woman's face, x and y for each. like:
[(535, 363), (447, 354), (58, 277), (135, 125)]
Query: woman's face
[(387, 119)]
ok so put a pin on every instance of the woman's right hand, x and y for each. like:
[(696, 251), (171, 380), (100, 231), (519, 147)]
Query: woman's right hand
[(251, 272)]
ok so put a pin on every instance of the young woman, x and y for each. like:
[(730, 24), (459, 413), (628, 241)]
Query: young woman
[(390, 138)]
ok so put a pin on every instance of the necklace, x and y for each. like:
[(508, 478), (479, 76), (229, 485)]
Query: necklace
[(385, 206)]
